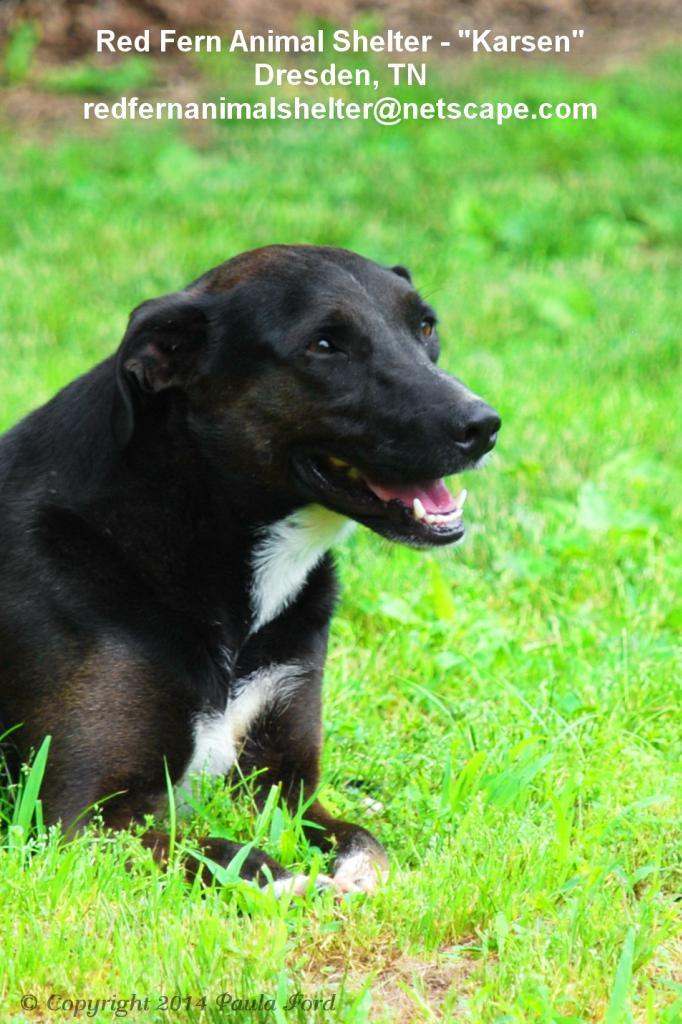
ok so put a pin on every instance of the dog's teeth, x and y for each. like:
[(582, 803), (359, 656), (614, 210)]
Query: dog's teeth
[(460, 499), (353, 473), (438, 518), (339, 463), (443, 519)]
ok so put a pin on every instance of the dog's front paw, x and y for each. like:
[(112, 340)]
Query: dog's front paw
[(363, 871)]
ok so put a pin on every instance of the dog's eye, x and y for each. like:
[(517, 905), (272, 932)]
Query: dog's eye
[(321, 346), (427, 327)]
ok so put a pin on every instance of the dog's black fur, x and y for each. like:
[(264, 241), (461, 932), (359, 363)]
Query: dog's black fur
[(131, 505)]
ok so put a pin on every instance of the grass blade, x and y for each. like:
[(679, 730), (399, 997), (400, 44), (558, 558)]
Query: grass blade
[(26, 806), (621, 984)]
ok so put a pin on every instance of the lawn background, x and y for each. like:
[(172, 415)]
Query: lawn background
[(515, 704)]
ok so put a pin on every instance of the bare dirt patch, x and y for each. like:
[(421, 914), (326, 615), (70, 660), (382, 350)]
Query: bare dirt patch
[(403, 985), (430, 982)]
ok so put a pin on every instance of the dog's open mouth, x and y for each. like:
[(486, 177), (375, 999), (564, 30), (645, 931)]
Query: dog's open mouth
[(420, 513)]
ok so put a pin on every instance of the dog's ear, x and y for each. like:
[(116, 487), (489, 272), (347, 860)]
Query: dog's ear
[(165, 346), (402, 272)]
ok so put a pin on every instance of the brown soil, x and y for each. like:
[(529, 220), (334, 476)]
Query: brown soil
[(403, 985)]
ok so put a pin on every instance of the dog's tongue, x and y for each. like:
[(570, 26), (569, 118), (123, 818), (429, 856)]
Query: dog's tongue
[(433, 494)]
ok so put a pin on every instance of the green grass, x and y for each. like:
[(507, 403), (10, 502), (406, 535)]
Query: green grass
[(515, 705)]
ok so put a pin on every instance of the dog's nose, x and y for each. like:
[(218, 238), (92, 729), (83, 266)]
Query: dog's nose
[(479, 432)]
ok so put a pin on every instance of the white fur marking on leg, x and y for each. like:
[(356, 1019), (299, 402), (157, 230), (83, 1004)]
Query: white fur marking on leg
[(298, 884), (218, 734), (294, 884)]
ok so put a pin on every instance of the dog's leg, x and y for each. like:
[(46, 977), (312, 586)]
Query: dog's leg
[(120, 812), (112, 737), (123, 811), (257, 867), (285, 749)]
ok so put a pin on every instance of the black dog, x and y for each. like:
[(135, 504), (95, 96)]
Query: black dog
[(165, 586)]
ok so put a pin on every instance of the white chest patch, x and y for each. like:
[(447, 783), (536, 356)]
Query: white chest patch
[(219, 735), (287, 553)]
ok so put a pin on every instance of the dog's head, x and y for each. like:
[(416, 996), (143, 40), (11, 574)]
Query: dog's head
[(310, 374)]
